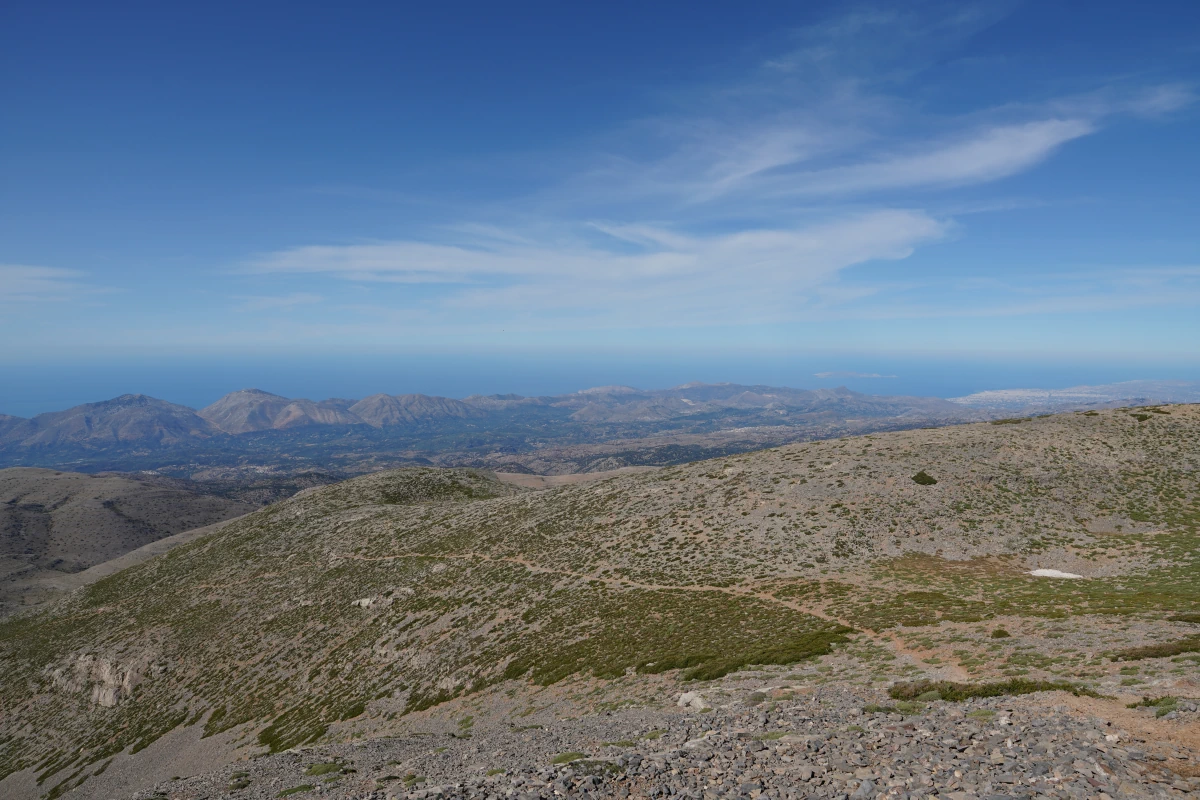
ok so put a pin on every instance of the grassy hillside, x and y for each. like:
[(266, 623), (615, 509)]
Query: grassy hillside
[(389, 593)]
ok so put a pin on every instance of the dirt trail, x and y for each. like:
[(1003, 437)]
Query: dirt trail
[(886, 639)]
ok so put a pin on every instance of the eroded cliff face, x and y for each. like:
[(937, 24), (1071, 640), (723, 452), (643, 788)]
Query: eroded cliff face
[(106, 681)]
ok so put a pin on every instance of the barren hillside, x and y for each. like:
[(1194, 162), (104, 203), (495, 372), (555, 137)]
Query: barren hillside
[(352, 610), (54, 523)]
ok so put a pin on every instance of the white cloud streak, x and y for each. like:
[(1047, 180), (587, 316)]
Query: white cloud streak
[(277, 302), (985, 156), (671, 276), (21, 283), (745, 212)]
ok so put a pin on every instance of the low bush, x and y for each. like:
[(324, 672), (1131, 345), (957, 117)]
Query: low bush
[(1164, 650), (1161, 705), (566, 758), (957, 692), (322, 769)]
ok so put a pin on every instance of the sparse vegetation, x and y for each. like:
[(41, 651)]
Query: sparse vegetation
[(1164, 650), (566, 758), (1161, 705), (770, 562), (957, 692), (322, 769)]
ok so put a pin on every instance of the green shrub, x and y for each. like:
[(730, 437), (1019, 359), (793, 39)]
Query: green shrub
[(924, 478), (566, 758), (1189, 645), (1161, 705), (707, 667), (322, 769), (957, 692), (304, 787), (1000, 633)]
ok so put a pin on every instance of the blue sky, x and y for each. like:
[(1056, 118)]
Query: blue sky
[(299, 183)]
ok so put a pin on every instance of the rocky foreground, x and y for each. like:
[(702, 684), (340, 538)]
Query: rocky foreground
[(834, 743)]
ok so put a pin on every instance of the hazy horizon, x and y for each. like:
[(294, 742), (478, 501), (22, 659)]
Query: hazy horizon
[(34, 389)]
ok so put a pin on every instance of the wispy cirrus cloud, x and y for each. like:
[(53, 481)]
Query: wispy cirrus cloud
[(22, 283), (276, 302), (982, 156), (634, 271), (748, 201)]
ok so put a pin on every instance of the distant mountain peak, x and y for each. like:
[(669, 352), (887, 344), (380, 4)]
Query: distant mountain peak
[(610, 390), (255, 393), (699, 385), (127, 418), (248, 410)]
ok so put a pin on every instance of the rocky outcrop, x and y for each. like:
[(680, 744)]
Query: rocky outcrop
[(107, 682)]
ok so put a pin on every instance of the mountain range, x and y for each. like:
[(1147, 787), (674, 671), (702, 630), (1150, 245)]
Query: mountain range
[(252, 432), (141, 419)]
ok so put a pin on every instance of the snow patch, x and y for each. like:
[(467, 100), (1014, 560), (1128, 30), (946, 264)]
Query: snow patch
[(1053, 573)]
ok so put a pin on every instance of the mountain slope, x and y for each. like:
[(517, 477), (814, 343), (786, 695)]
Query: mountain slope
[(382, 410), (350, 606), (250, 410), (130, 418), (54, 523), (8, 423), (624, 404)]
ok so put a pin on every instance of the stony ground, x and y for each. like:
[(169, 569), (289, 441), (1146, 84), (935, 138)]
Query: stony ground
[(444, 602), (768, 742)]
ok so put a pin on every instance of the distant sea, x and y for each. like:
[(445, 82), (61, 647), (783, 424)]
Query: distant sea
[(29, 389)]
